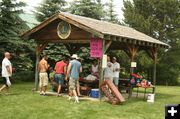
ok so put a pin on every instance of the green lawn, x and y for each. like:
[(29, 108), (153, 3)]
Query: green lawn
[(23, 104)]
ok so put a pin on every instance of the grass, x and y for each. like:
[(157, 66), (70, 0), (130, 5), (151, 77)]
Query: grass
[(23, 104)]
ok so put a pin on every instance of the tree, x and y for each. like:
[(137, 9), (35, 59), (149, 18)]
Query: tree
[(111, 15), (43, 12), (87, 8), (92, 9), (10, 28), (48, 8), (159, 19)]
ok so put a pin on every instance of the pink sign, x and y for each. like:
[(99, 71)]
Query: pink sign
[(96, 48)]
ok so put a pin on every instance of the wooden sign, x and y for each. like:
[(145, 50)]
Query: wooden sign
[(96, 48)]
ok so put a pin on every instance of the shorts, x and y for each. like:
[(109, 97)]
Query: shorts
[(43, 79), (73, 83), (6, 81), (59, 78), (116, 81)]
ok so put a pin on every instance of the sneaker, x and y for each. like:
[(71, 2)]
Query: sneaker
[(76, 100), (58, 95), (69, 98), (44, 94)]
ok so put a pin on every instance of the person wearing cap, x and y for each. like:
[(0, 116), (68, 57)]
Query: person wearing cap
[(108, 72), (6, 71), (60, 72), (116, 71), (73, 71)]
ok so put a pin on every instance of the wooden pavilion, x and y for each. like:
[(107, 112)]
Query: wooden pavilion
[(82, 29)]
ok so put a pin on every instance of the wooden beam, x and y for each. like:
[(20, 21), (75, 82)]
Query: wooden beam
[(107, 37), (66, 41), (113, 38), (107, 45), (131, 51), (152, 52), (101, 72), (39, 49)]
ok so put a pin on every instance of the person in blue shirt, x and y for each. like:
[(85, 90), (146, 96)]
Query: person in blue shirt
[(73, 71)]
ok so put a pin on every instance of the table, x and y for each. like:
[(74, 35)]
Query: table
[(145, 88)]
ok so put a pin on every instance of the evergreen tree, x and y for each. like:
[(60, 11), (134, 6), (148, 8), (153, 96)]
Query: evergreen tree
[(43, 12), (159, 19), (112, 16), (10, 28), (48, 8), (88, 8)]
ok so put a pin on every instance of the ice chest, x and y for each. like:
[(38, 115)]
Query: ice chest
[(94, 93)]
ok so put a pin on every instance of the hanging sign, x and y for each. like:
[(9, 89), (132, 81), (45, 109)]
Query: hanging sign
[(104, 61), (63, 30), (96, 48), (133, 64)]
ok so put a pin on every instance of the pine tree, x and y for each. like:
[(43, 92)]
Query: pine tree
[(88, 8), (43, 12), (48, 8), (10, 28), (159, 19), (112, 16)]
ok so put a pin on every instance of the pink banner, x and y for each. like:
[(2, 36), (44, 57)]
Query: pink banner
[(96, 48)]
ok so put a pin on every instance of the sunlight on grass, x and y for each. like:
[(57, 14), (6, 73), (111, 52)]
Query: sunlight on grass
[(22, 103)]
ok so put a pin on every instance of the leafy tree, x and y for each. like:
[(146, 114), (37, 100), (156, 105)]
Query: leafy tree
[(48, 8), (87, 8), (159, 19), (10, 28)]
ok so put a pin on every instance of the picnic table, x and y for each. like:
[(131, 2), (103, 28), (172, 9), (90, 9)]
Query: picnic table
[(124, 84)]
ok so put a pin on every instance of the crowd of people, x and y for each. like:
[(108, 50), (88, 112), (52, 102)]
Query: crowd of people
[(69, 71), (64, 70)]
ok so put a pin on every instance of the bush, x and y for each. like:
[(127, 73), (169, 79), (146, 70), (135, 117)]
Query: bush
[(23, 76)]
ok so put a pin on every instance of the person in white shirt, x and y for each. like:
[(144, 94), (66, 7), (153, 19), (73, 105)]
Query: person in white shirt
[(6, 71), (108, 71), (95, 69), (116, 71)]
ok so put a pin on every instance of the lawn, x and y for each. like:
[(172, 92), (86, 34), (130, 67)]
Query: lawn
[(22, 103)]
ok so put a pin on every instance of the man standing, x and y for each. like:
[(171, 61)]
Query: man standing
[(108, 72), (60, 72), (74, 68), (6, 71), (43, 77), (116, 70)]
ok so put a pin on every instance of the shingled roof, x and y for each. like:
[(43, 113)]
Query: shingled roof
[(100, 28)]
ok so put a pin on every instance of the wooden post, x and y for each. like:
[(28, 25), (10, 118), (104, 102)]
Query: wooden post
[(154, 71), (152, 52), (36, 71), (131, 51), (101, 71), (39, 49)]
